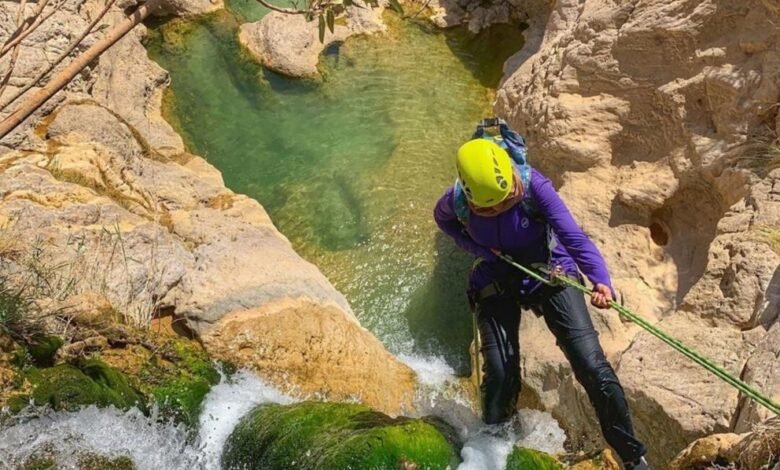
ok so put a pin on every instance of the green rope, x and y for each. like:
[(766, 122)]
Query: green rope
[(718, 371)]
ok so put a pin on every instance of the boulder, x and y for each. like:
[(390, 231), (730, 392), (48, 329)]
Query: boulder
[(757, 449), (290, 45), (334, 435), (313, 349)]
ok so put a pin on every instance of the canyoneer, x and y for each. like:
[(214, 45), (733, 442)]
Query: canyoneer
[(500, 206)]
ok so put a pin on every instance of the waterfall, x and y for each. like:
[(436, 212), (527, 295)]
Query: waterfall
[(154, 445)]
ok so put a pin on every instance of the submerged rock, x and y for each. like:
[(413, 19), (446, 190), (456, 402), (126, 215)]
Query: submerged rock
[(334, 435), (290, 45)]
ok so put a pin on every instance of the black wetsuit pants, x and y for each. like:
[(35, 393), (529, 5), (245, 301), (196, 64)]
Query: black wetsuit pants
[(566, 315)]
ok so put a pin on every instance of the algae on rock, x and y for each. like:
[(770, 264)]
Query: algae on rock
[(334, 435), (179, 381), (523, 458), (67, 387)]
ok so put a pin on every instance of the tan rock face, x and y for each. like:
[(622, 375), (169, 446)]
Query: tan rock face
[(103, 201), (653, 118), (757, 449), (313, 349), (703, 452), (290, 45)]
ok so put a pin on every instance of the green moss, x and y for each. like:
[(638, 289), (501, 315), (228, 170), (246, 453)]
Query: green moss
[(43, 348), (529, 459), (101, 462), (65, 387), (114, 380), (179, 383), (39, 463), (334, 435)]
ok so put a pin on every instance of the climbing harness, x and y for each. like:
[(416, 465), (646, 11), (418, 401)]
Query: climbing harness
[(691, 354)]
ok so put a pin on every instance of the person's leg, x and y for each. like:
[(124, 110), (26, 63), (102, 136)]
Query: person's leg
[(566, 314), (498, 319)]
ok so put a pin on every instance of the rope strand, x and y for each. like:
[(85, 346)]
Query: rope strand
[(690, 353)]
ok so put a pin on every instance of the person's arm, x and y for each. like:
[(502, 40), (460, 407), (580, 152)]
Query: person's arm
[(577, 244), (444, 214)]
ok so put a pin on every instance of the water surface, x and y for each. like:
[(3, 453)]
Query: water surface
[(349, 167)]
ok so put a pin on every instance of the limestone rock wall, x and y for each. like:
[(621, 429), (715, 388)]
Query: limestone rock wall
[(654, 118), (98, 196)]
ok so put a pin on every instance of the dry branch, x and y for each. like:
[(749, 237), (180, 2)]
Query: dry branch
[(62, 78), (29, 25), (66, 53)]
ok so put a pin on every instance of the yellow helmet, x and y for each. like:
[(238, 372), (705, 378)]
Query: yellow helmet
[(485, 171)]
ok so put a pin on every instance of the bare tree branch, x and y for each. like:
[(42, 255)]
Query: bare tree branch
[(63, 77), (15, 55), (66, 53), (288, 11), (29, 25)]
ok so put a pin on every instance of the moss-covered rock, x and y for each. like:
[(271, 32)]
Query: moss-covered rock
[(66, 387), (47, 459), (42, 349), (114, 380), (334, 435), (522, 458), (39, 463), (101, 462), (178, 378)]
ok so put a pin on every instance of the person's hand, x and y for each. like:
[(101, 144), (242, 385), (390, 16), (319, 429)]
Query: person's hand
[(601, 296), (496, 252)]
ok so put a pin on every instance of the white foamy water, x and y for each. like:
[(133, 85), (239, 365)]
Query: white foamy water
[(153, 445), (431, 371), (225, 404), (485, 447)]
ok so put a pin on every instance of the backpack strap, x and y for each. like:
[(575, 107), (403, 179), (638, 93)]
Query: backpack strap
[(461, 205)]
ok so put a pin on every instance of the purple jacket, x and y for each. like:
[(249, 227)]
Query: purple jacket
[(517, 234)]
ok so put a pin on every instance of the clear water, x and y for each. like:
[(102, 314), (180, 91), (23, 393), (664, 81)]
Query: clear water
[(151, 445), (349, 167)]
